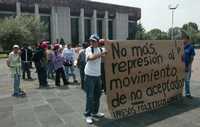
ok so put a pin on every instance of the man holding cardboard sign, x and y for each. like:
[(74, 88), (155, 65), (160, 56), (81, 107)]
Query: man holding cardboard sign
[(92, 79)]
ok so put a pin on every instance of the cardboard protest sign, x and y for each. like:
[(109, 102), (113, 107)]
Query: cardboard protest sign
[(142, 75)]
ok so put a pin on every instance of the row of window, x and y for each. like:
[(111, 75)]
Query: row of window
[(75, 29), (87, 26)]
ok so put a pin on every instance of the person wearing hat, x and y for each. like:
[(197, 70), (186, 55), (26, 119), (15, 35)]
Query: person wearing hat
[(40, 60), (189, 54), (58, 61), (14, 63), (93, 79)]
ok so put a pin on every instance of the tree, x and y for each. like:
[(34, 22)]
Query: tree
[(20, 30), (157, 34), (191, 29), (154, 34), (140, 32)]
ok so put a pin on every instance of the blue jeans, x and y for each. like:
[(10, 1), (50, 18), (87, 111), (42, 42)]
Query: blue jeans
[(187, 82), (16, 83), (93, 94), (50, 70), (71, 69)]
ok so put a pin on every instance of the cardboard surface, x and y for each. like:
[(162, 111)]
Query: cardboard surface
[(143, 75)]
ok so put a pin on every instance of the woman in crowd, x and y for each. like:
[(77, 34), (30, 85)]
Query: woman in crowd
[(58, 61), (50, 67), (69, 56)]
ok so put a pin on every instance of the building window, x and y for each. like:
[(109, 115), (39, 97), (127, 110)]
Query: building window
[(75, 30), (110, 30), (131, 30), (100, 28), (47, 32), (87, 29)]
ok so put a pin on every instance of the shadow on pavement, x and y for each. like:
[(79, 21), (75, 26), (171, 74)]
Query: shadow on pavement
[(148, 118)]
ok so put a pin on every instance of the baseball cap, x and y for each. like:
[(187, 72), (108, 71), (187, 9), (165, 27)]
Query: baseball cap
[(94, 37), (44, 45), (56, 46), (15, 46)]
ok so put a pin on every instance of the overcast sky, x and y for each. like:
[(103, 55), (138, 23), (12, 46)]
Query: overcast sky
[(155, 13)]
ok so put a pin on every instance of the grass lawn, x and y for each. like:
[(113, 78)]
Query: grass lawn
[(3, 56)]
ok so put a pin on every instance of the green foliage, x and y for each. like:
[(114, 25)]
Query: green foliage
[(191, 29), (157, 34), (140, 32), (20, 30)]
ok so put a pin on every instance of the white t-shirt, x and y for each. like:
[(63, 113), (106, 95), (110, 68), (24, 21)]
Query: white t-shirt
[(93, 67)]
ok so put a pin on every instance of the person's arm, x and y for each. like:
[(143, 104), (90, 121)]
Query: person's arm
[(8, 62), (64, 54), (96, 56), (188, 65), (192, 55), (190, 60)]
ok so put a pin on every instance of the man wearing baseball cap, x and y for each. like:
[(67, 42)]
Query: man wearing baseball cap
[(40, 60), (14, 63), (92, 79)]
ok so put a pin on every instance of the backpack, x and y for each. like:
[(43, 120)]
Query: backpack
[(81, 59), (68, 63)]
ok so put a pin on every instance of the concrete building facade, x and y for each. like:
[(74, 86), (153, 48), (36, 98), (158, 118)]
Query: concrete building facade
[(75, 20)]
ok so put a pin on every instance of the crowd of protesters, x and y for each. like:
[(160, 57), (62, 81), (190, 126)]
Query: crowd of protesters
[(58, 61), (51, 61)]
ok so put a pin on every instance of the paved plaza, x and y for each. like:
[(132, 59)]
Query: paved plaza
[(64, 107)]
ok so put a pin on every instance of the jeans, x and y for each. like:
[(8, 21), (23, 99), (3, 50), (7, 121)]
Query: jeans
[(71, 68), (187, 82), (50, 70), (26, 69), (93, 94), (60, 73), (16, 83), (42, 75)]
